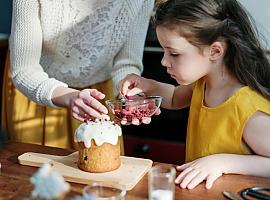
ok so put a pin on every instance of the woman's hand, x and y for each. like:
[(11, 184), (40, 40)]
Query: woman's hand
[(86, 105), (208, 168)]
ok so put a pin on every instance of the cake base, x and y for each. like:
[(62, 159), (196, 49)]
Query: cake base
[(99, 159)]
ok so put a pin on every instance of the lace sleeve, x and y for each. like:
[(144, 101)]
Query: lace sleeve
[(129, 58), (25, 47)]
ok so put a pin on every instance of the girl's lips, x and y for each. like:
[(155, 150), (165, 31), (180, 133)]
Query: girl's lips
[(169, 73), (172, 76)]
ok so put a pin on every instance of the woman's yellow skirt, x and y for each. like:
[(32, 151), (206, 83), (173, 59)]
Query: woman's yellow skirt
[(25, 121)]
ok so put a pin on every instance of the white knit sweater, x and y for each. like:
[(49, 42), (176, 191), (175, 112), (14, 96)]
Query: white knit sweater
[(75, 43)]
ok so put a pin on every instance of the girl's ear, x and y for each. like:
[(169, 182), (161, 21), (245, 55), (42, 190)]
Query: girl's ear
[(217, 50)]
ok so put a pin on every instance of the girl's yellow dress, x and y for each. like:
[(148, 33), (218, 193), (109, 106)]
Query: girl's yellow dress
[(25, 121), (219, 130)]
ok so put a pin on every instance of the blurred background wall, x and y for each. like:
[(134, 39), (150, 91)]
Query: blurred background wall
[(260, 11), (5, 22), (5, 15)]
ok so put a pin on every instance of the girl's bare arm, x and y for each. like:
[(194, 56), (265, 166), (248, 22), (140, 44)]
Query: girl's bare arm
[(173, 97)]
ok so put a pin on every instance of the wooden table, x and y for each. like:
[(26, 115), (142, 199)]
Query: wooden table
[(15, 184)]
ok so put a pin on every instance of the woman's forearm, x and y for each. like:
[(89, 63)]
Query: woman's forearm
[(25, 46), (62, 96)]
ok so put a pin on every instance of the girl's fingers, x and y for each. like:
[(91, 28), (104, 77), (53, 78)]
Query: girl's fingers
[(158, 112), (135, 121), (182, 175), (184, 166), (146, 120), (124, 121), (125, 87), (134, 91), (211, 179), (196, 180), (189, 176)]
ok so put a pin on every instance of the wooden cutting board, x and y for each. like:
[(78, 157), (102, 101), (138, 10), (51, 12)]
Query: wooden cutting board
[(125, 177)]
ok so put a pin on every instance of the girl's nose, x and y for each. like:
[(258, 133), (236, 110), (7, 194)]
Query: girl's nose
[(164, 62)]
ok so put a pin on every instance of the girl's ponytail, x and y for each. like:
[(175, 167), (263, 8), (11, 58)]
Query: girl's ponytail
[(245, 57)]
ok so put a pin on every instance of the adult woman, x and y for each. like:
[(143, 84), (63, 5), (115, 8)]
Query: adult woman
[(59, 48)]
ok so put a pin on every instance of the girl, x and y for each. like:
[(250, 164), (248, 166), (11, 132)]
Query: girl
[(211, 49)]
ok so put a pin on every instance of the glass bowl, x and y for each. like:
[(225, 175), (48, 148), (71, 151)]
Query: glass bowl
[(128, 109)]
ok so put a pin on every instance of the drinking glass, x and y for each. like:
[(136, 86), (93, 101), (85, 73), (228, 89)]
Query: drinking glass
[(161, 182), (98, 191)]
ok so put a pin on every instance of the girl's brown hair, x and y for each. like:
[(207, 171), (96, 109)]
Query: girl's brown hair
[(203, 22)]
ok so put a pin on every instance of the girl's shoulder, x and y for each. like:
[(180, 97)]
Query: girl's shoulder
[(251, 101)]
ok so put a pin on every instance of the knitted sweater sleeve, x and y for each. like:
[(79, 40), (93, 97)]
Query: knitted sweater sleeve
[(129, 58), (25, 48)]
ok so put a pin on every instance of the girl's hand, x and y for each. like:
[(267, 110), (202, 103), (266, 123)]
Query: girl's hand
[(86, 106), (133, 84), (130, 86), (135, 121), (208, 168)]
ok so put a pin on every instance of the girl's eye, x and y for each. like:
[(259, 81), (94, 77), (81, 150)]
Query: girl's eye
[(174, 54)]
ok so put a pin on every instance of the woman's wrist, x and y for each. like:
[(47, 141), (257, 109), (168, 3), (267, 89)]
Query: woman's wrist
[(62, 96)]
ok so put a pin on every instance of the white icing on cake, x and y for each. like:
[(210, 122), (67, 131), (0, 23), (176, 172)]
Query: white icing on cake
[(101, 131), (48, 184)]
